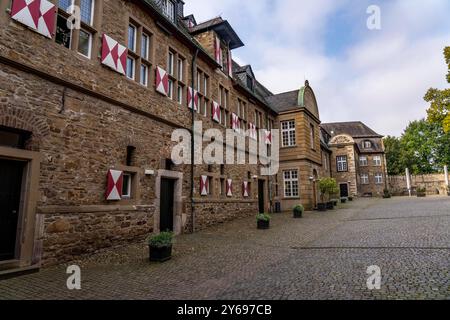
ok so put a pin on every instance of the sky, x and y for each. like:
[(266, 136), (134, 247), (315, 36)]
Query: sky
[(378, 77)]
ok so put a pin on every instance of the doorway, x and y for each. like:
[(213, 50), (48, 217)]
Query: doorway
[(344, 189), (11, 175), (167, 205), (261, 199)]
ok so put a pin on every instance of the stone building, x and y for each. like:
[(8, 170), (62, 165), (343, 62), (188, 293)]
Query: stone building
[(358, 159), (87, 114)]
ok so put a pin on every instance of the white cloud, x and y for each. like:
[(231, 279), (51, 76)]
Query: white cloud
[(380, 78)]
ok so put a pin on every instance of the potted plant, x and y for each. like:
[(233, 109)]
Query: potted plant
[(421, 192), (327, 186), (161, 247), (298, 211), (386, 194), (344, 199), (350, 198), (335, 202), (263, 220)]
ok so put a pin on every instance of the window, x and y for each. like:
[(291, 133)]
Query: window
[(367, 144), (222, 187), (67, 36), (180, 69), (126, 186), (325, 160), (291, 184), (144, 46), (249, 82), (175, 69), (169, 9), (341, 162), (288, 133), (363, 161), (144, 75), (364, 178), (312, 135), (377, 161), (379, 178), (223, 102), (139, 53), (13, 138), (130, 68)]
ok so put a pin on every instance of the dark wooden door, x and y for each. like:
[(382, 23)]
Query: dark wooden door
[(344, 190), (11, 173), (166, 205), (261, 200)]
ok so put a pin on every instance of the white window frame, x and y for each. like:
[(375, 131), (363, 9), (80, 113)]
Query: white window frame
[(170, 63), (205, 84), (145, 84), (134, 37), (379, 178), (133, 69), (129, 176), (171, 89), (91, 22), (363, 161), (147, 45), (364, 179), (169, 13), (89, 46), (367, 144), (377, 161), (287, 128), (180, 69), (180, 94), (342, 163), (293, 183)]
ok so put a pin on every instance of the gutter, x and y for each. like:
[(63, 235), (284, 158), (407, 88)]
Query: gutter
[(193, 66)]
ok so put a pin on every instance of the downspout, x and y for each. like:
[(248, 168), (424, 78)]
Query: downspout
[(193, 65)]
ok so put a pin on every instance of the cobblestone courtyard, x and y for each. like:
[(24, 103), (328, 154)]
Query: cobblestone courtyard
[(322, 256)]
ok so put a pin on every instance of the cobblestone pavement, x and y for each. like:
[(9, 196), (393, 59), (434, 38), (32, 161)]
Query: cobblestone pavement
[(322, 256)]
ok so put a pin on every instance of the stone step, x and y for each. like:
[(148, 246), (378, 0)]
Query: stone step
[(20, 271)]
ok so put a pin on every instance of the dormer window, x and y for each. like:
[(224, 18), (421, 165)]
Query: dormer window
[(249, 82), (169, 9), (367, 144)]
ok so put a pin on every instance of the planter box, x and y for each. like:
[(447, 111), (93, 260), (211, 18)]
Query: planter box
[(322, 207), (335, 203), (350, 199), (343, 200), (298, 215), (330, 206), (160, 254), (263, 225), (421, 195)]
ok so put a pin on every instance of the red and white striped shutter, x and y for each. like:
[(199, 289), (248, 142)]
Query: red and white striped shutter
[(114, 55), (245, 189), (162, 81), (114, 186), (38, 15), (235, 122), (215, 111), (230, 64), (229, 188), (204, 185), (218, 51), (191, 92), (268, 137)]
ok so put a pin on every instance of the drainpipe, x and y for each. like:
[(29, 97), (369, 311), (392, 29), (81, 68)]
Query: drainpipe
[(193, 65)]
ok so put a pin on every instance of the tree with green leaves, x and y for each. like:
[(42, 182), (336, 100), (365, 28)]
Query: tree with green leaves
[(393, 156), (439, 111)]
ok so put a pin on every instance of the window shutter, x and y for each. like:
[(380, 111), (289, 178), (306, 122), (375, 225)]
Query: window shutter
[(268, 137), (204, 185), (245, 189), (114, 186), (114, 55), (162, 81), (229, 188), (215, 111), (252, 134), (218, 51), (235, 122), (189, 98), (230, 64), (38, 15)]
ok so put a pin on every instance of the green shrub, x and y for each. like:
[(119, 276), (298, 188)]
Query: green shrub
[(164, 239), (299, 209), (263, 217), (327, 187)]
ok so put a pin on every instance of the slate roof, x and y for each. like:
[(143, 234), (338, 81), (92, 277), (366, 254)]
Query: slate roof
[(283, 102), (222, 28), (355, 129)]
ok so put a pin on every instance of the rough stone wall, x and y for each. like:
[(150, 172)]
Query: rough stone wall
[(81, 137), (349, 177), (434, 183)]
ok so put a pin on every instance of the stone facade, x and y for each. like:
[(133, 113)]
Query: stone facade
[(434, 183)]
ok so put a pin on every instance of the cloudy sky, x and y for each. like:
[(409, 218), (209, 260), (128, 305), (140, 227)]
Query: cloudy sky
[(376, 76)]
